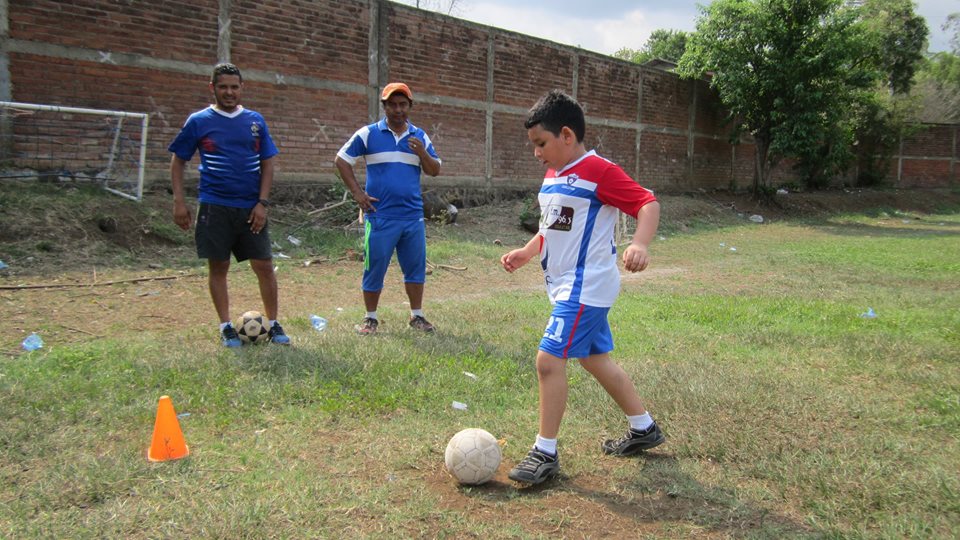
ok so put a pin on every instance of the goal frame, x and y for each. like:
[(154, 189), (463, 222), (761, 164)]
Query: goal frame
[(144, 127)]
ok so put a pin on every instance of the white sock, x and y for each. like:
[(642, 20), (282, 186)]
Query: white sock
[(416, 313), (270, 323), (225, 324), (548, 446), (640, 422), (372, 315)]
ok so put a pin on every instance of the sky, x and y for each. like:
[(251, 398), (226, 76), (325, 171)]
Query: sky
[(605, 26)]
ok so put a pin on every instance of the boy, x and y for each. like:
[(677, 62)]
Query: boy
[(236, 174), (579, 200)]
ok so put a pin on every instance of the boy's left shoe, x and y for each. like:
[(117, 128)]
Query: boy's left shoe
[(634, 442), (277, 335)]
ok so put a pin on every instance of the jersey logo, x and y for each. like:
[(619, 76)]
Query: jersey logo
[(572, 179), (255, 130), (557, 218)]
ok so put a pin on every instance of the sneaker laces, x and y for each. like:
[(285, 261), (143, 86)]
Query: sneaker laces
[(229, 332), (276, 330), (532, 462)]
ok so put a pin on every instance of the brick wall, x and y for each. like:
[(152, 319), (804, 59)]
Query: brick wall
[(314, 69)]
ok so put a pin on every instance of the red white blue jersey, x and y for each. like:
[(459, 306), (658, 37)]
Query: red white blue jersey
[(578, 213)]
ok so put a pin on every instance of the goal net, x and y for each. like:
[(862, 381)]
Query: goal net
[(55, 143)]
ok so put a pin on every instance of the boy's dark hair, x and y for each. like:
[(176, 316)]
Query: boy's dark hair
[(225, 68), (555, 110)]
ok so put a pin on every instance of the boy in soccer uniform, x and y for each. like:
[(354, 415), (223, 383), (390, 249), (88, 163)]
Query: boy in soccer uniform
[(395, 151), (236, 174), (579, 201)]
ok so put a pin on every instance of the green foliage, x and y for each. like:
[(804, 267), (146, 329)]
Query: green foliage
[(938, 87), (664, 44), (900, 37), (798, 75)]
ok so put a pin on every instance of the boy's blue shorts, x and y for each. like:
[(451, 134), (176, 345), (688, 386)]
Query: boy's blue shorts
[(577, 331), (381, 237)]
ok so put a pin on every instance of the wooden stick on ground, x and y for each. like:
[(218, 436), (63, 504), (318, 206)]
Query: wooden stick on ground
[(95, 284)]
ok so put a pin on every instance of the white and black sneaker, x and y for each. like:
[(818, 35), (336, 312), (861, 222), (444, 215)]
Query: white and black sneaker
[(634, 442), (535, 468)]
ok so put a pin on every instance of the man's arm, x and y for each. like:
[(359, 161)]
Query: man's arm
[(181, 214), (428, 163), (258, 216), (349, 179)]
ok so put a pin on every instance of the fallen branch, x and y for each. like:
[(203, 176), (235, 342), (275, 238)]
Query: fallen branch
[(94, 284), (446, 266), (80, 330)]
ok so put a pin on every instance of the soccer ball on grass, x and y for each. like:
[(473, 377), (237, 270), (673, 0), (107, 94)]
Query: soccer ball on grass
[(252, 327), (472, 456)]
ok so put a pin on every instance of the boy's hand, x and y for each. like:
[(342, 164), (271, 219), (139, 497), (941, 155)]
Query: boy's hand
[(636, 258), (514, 259)]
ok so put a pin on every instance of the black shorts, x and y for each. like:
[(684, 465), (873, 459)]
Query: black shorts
[(222, 230)]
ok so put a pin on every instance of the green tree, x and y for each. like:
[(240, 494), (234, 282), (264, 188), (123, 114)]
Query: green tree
[(788, 71), (900, 36), (665, 44)]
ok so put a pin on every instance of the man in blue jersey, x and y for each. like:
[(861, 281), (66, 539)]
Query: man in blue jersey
[(236, 173), (395, 152)]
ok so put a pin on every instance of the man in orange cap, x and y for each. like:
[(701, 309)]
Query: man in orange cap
[(395, 152)]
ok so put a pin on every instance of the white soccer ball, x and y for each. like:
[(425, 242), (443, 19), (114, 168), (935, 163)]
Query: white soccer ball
[(472, 456), (252, 327)]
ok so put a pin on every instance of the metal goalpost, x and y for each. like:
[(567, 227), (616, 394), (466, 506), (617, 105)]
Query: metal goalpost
[(61, 145)]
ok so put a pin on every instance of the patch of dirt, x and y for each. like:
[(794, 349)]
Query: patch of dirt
[(78, 242)]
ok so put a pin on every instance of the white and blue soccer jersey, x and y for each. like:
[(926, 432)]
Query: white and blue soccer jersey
[(393, 170), (231, 145), (578, 212)]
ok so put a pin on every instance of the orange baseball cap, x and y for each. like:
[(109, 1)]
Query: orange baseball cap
[(394, 87)]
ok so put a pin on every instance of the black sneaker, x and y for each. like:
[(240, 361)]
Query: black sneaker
[(229, 337), (537, 467), (277, 335), (634, 442), (368, 327), (419, 323)]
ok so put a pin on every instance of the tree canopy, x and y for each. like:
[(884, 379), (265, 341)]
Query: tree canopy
[(792, 71), (665, 44)]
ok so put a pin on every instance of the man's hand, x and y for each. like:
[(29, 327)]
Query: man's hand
[(258, 218), (365, 201), (636, 258), (416, 146), (181, 215)]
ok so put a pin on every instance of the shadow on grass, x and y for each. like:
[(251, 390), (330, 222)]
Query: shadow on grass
[(659, 497)]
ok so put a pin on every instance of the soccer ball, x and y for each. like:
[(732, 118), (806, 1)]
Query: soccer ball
[(252, 327), (472, 456)]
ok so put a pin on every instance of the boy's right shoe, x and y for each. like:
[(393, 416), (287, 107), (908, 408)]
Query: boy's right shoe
[(368, 327), (229, 337), (537, 467), (634, 442)]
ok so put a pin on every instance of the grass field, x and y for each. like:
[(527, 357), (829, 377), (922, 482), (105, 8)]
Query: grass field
[(788, 414)]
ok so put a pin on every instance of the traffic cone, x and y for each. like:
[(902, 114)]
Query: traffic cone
[(168, 442)]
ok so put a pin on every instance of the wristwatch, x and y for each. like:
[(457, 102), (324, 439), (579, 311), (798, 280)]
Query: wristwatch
[(264, 202)]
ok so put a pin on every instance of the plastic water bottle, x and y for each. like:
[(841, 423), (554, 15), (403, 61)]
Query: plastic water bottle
[(33, 342), (318, 323)]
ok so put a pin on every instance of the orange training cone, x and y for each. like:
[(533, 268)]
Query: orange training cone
[(168, 442)]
